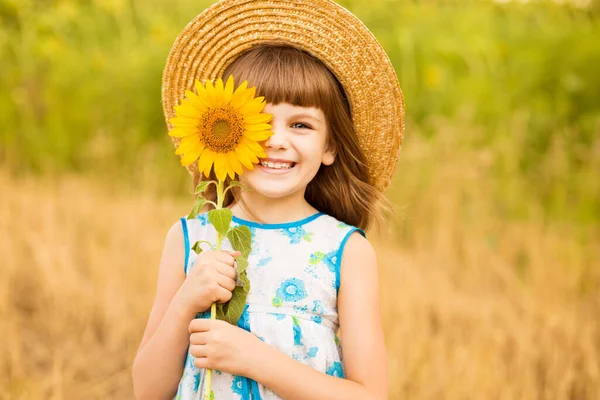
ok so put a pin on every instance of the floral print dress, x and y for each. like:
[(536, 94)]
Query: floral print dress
[(294, 271)]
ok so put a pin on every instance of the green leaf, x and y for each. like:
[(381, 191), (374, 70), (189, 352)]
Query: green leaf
[(242, 264), (197, 207), (220, 312), (233, 309), (220, 219), (241, 239), (202, 186), (196, 247), (233, 184)]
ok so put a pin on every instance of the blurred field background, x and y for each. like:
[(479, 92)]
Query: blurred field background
[(490, 275)]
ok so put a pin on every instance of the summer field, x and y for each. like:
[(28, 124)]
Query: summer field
[(490, 272)]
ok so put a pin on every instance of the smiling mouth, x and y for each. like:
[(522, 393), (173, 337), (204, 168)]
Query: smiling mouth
[(277, 165)]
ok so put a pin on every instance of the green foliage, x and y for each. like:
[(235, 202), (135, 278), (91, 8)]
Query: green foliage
[(242, 264), (220, 219), (202, 186), (241, 239), (81, 84), (197, 207), (233, 309), (196, 248)]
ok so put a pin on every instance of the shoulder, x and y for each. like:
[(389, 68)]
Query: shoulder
[(175, 235), (358, 266), (358, 251), (174, 247)]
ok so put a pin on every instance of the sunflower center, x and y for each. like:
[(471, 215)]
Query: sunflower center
[(221, 129)]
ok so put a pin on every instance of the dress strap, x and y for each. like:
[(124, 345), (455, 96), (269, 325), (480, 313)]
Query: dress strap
[(186, 241)]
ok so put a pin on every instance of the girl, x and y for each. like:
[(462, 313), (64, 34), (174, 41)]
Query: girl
[(313, 273)]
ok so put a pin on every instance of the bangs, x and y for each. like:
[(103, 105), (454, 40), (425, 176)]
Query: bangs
[(283, 74)]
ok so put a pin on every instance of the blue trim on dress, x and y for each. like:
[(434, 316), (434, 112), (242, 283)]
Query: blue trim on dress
[(277, 226), (250, 390), (338, 256), (186, 241)]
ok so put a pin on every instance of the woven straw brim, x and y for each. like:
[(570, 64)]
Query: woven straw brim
[(217, 36)]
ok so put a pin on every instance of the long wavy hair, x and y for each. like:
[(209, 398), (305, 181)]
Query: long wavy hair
[(284, 74)]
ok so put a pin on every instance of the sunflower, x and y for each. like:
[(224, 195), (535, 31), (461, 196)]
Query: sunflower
[(221, 127)]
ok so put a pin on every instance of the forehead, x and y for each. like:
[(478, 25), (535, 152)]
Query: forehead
[(291, 110), (286, 75)]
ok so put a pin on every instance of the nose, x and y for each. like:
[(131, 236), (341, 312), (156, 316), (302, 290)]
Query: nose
[(279, 138)]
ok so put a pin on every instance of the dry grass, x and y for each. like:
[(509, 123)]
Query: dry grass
[(79, 268)]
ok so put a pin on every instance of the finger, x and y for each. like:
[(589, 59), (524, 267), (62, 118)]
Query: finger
[(233, 253), (223, 295), (199, 350), (227, 270), (226, 257), (202, 363), (199, 325), (197, 338), (226, 282)]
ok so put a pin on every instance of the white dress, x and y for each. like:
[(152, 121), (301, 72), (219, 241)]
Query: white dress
[(294, 272)]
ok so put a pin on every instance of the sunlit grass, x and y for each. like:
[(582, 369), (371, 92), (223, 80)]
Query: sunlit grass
[(472, 303), (490, 276)]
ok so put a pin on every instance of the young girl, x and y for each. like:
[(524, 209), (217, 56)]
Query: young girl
[(313, 273)]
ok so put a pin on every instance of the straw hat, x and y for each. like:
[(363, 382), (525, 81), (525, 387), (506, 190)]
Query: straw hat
[(324, 29)]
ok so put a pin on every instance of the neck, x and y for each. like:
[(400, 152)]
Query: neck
[(265, 210)]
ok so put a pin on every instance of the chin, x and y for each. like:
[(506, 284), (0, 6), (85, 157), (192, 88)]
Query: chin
[(273, 192)]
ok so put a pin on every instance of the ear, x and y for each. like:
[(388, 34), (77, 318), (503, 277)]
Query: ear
[(329, 155)]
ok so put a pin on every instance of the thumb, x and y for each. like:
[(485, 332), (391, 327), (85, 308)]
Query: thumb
[(234, 253)]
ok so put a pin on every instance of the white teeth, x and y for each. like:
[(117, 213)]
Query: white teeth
[(276, 165)]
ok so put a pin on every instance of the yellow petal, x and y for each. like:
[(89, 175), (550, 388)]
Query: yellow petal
[(239, 97), (186, 109), (188, 143), (234, 163), (185, 122), (181, 132), (220, 170), (228, 168), (249, 95), (202, 94), (195, 101), (258, 136), (228, 89), (243, 157), (252, 145), (192, 156), (210, 92), (258, 118), (252, 155), (254, 106), (219, 93), (257, 127), (206, 162)]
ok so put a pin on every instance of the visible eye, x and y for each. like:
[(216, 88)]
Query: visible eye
[(300, 125)]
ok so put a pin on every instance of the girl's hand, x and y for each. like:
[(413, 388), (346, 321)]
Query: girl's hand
[(220, 345), (210, 281)]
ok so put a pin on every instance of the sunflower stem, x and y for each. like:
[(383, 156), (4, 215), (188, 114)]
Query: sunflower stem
[(213, 307)]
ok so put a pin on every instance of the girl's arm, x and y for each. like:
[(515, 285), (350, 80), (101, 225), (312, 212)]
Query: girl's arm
[(159, 362), (362, 341)]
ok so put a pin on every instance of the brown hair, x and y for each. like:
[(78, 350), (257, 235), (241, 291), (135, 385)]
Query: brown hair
[(284, 74)]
